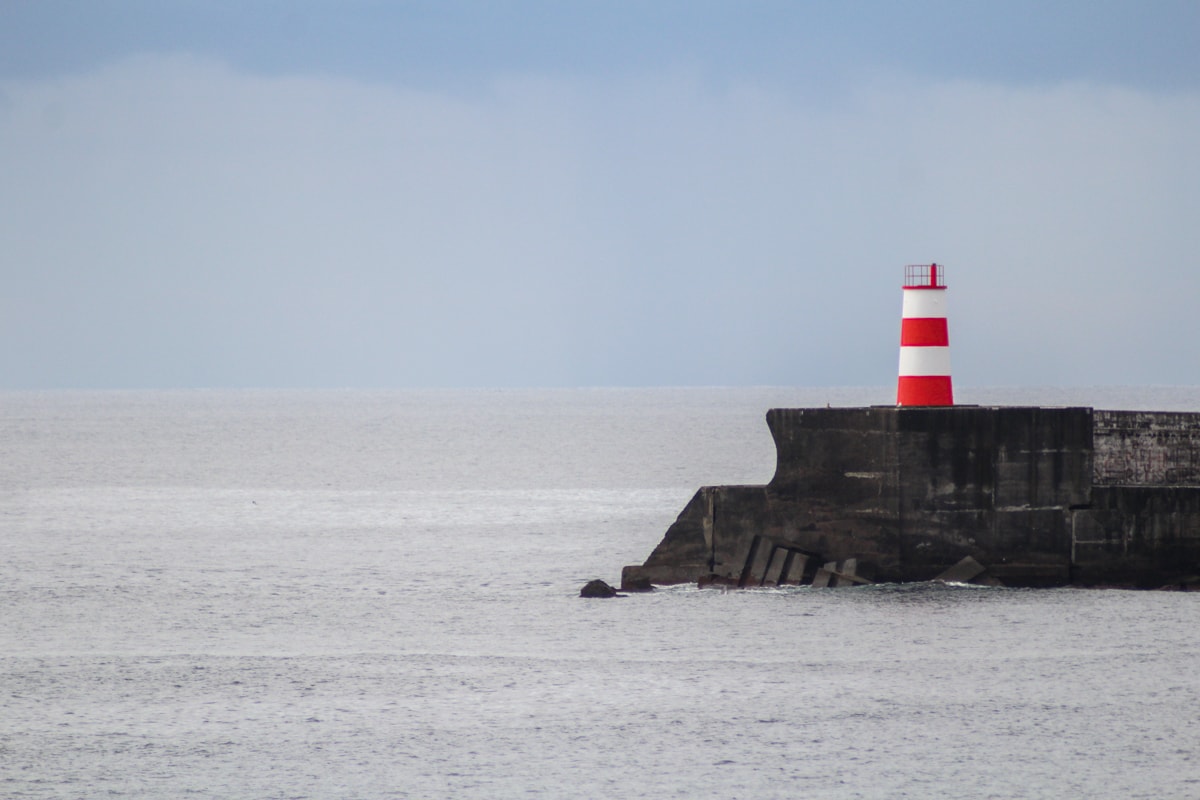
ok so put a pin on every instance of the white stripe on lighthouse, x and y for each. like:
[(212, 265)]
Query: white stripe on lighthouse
[(924, 303), (916, 361)]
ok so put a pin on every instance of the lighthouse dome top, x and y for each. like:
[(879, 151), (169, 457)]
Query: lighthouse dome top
[(925, 276)]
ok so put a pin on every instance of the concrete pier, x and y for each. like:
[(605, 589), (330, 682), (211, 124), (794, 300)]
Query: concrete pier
[(1036, 496)]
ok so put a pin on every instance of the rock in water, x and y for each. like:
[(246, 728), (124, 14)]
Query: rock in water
[(597, 588)]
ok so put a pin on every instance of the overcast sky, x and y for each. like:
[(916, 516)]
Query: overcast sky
[(444, 193)]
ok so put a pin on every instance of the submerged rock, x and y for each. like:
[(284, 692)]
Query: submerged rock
[(597, 588)]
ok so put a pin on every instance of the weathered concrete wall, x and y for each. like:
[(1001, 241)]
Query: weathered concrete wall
[(996, 484), (691, 548), (912, 491), (1146, 448), (1145, 536), (836, 488)]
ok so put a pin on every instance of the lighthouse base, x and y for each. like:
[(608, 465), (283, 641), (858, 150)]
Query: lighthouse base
[(1032, 496), (925, 390)]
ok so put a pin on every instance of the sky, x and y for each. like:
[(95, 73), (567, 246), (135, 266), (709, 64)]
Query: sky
[(319, 194)]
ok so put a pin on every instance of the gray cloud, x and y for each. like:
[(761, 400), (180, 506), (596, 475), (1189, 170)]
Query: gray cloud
[(170, 222)]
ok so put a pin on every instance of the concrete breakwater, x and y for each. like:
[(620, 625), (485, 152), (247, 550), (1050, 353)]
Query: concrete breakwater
[(1027, 496)]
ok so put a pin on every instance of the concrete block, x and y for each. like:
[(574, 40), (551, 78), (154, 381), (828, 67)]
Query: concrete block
[(793, 569), (774, 573), (962, 572), (824, 575)]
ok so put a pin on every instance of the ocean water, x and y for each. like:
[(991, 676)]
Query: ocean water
[(375, 595)]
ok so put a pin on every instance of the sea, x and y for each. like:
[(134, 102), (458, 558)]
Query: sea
[(375, 594)]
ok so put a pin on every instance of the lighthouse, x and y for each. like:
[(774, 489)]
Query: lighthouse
[(924, 339)]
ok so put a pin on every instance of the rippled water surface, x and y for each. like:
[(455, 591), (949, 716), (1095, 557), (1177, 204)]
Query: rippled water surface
[(328, 595)]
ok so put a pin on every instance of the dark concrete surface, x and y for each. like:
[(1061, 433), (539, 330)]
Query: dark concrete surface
[(1037, 496)]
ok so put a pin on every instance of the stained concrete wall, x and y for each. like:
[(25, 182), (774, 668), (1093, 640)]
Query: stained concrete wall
[(1144, 536), (836, 488), (1147, 448), (996, 484), (1142, 525), (914, 490)]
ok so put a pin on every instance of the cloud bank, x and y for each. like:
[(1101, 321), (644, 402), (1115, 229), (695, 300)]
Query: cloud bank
[(168, 221)]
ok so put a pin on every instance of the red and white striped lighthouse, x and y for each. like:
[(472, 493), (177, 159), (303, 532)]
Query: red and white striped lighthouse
[(924, 339)]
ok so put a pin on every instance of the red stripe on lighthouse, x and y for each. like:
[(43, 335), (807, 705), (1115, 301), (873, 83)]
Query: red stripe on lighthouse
[(925, 390), (924, 332)]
